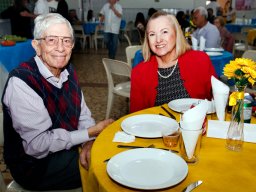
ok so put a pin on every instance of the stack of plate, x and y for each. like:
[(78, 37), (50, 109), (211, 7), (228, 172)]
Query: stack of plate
[(214, 51)]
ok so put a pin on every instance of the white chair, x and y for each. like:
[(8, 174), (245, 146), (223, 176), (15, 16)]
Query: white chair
[(98, 35), (128, 39), (241, 43), (250, 54), (120, 68), (80, 34), (130, 53)]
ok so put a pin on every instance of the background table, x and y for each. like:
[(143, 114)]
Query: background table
[(218, 168), (12, 56), (89, 27), (219, 62), (236, 28)]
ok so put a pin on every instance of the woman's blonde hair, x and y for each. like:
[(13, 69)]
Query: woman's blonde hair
[(181, 44)]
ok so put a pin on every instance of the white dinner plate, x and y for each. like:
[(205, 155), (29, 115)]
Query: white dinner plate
[(181, 105), (149, 125), (214, 53), (147, 169), (214, 49)]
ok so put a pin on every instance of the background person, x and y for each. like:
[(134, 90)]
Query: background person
[(111, 14), (62, 8), (45, 115), (171, 70), (181, 17), (205, 29), (41, 7), (20, 18), (226, 37), (140, 24), (90, 16)]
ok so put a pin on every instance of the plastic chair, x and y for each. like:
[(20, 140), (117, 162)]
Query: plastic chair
[(98, 35), (120, 68), (250, 54), (130, 53), (80, 34), (241, 43), (128, 39)]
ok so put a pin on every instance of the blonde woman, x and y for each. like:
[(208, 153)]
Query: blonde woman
[(170, 70)]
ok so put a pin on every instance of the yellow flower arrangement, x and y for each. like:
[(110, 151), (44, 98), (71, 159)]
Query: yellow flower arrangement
[(242, 71)]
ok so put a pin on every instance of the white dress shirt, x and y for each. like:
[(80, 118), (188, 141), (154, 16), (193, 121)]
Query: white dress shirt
[(41, 7), (211, 34), (112, 22), (32, 121)]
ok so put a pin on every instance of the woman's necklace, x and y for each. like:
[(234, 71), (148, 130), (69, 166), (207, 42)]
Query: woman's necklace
[(165, 77)]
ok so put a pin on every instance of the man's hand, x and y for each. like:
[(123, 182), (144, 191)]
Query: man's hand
[(95, 130), (85, 154)]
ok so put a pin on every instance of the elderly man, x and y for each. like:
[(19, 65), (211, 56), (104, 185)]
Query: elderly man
[(46, 118), (205, 28)]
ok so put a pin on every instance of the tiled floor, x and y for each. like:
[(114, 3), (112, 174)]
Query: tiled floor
[(93, 81)]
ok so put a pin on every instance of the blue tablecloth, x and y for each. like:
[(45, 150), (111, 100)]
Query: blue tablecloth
[(236, 28), (218, 62), (89, 27), (254, 21), (10, 57)]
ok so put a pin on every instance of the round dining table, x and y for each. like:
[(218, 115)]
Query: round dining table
[(219, 168)]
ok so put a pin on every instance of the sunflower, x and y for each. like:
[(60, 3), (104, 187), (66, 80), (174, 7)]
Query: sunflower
[(242, 71)]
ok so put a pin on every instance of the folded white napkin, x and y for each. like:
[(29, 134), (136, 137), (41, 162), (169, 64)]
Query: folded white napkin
[(191, 124), (194, 43), (123, 137), (186, 29), (219, 129), (220, 95), (202, 43)]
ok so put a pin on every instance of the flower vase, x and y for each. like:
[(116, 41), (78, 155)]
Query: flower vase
[(235, 135)]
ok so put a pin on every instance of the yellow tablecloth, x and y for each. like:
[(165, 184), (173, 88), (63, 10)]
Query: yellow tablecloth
[(251, 36), (218, 168)]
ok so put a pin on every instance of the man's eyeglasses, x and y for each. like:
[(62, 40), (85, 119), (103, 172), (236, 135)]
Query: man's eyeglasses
[(54, 40)]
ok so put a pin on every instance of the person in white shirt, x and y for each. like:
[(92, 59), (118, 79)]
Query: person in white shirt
[(46, 118), (41, 7), (111, 14), (214, 5), (205, 29)]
